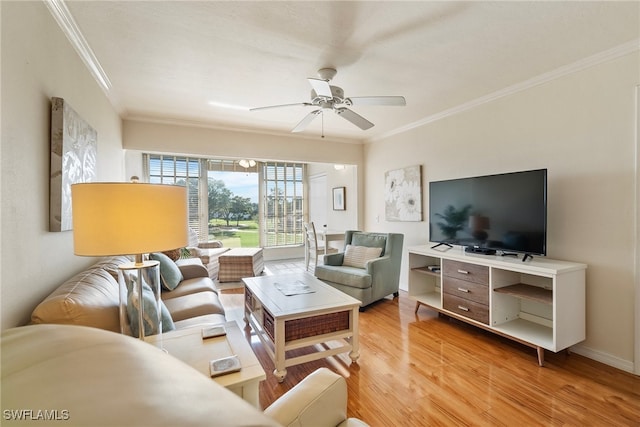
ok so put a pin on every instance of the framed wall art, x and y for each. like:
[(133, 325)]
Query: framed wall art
[(403, 194), (73, 160), (339, 202)]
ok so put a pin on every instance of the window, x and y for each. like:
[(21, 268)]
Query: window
[(184, 171), (283, 203), (233, 203), (281, 193)]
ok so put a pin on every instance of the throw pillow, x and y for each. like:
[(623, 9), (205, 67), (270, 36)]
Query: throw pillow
[(173, 254), (370, 240), (358, 256), (170, 274), (149, 312)]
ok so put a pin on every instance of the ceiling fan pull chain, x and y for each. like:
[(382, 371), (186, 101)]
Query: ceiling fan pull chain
[(322, 118)]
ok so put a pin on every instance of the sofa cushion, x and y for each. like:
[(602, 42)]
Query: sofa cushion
[(193, 305), (89, 298), (191, 267), (190, 286), (149, 312), (358, 256), (374, 240), (348, 276), (170, 274)]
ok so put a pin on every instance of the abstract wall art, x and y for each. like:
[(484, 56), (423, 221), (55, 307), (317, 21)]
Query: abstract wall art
[(403, 194), (73, 160)]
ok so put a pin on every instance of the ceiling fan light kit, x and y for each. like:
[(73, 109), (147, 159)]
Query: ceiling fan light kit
[(328, 97)]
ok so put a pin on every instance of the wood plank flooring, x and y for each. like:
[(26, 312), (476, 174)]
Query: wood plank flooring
[(422, 369)]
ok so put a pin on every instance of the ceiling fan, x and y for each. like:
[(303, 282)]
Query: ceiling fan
[(328, 97)]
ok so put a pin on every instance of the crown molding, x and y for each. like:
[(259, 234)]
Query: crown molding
[(65, 20), (583, 64)]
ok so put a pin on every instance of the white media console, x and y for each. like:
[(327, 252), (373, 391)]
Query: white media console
[(539, 303)]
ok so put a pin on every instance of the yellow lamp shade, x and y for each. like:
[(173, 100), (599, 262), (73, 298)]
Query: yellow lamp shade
[(128, 218)]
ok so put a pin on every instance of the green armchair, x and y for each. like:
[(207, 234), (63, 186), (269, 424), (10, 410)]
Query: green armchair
[(362, 273)]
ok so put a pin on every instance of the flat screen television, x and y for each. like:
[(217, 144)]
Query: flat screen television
[(505, 212)]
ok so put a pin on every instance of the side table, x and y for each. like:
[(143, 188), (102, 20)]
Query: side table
[(187, 345)]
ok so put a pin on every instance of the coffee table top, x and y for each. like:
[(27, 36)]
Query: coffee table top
[(321, 298)]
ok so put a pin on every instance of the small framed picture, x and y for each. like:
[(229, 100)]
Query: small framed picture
[(339, 203)]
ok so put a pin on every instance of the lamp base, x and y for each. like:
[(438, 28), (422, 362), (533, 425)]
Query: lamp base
[(140, 308)]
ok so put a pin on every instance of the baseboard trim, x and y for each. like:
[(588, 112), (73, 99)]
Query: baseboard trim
[(607, 359)]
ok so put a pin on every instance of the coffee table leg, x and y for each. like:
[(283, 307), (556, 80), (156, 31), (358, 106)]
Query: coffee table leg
[(280, 372), (355, 342)]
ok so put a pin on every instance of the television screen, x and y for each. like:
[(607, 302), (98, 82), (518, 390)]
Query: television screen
[(505, 212)]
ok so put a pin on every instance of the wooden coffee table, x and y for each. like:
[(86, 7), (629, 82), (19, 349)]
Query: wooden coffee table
[(287, 322)]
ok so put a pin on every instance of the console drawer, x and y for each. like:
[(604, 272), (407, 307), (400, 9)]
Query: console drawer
[(466, 308), (468, 290), (465, 271)]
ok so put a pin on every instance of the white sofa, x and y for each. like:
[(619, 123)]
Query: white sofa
[(81, 376), (91, 298)]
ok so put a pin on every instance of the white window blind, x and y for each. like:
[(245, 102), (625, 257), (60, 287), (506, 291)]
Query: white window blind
[(184, 171), (283, 203)]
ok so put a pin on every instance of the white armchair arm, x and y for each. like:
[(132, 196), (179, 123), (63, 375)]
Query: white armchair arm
[(318, 400)]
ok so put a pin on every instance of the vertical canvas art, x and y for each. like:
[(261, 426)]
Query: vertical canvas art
[(73, 160), (403, 194)]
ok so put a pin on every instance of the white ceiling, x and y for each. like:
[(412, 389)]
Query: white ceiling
[(171, 60)]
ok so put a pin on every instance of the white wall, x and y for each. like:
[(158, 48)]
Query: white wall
[(38, 63), (582, 128), (211, 142), (349, 219)]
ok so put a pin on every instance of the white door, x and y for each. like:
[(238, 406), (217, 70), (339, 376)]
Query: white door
[(318, 198)]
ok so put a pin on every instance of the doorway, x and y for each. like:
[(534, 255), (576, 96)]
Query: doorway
[(318, 204)]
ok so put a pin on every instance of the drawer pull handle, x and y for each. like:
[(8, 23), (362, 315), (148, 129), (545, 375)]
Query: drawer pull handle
[(463, 272), (463, 308), (463, 290)]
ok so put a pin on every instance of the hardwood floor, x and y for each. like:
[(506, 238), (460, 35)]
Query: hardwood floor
[(421, 369)]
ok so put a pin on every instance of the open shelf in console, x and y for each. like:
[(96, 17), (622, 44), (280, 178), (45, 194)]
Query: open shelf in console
[(528, 332), (522, 306), (425, 284), (524, 291)]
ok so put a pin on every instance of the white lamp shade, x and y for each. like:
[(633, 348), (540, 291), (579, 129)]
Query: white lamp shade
[(128, 218)]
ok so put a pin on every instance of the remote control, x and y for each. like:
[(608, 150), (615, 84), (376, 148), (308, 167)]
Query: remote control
[(212, 332)]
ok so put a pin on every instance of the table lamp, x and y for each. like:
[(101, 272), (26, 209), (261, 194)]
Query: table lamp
[(131, 219)]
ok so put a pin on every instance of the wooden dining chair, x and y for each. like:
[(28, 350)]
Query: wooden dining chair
[(310, 245)]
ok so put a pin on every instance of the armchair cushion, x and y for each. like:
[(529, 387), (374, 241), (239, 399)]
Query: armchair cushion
[(358, 256), (211, 244), (371, 240), (353, 277), (170, 274)]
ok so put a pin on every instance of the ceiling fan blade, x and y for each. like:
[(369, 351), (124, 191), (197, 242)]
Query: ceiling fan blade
[(354, 118), (377, 100), (307, 119), (321, 87), (301, 104)]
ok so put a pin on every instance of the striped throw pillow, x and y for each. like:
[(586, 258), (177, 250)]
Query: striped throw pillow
[(357, 256)]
